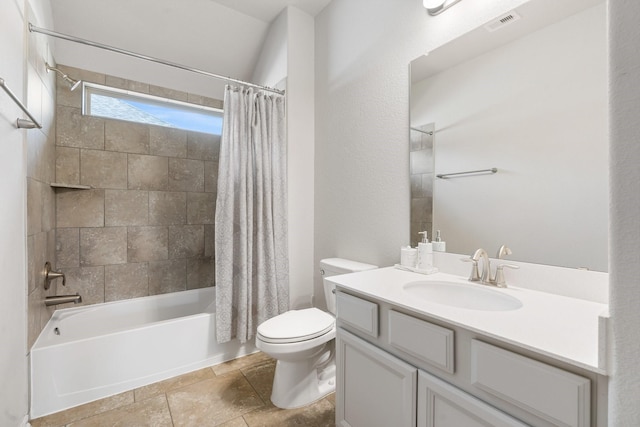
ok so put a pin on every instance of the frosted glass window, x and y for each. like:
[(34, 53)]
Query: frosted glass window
[(112, 103)]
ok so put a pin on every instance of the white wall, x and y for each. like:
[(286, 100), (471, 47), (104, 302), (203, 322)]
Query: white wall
[(528, 108), (624, 255), (362, 190), (363, 49), (13, 326), (24, 73)]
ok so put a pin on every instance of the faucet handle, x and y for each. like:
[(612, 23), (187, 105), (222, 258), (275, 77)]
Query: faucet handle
[(503, 251), (475, 274), (500, 280)]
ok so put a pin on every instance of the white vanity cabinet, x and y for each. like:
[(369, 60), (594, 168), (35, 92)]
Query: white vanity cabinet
[(400, 369), (376, 388)]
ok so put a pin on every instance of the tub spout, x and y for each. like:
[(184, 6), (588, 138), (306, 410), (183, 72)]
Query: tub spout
[(62, 299)]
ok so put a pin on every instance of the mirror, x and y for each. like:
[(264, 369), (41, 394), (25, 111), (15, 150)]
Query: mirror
[(528, 98)]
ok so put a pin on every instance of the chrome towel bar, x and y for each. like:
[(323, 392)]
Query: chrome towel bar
[(461, 174), (21, 123)]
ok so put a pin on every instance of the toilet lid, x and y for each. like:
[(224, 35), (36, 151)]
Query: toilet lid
[(296, 325)]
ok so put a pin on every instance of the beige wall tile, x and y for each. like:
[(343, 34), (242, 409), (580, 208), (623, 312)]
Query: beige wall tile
[(168, 93), (34, 206), (168, 142), (103, 246), (74, 130), (103, 169), (203, 146), (35, 302), (211, 177), (201, 208), (126, 207), (121, 83), (79, 208), (186, 241), (125, 281), (126, 137), (48, 207), (209, 240), (167, 208), (203, 100), (200, 273), (167, 276), (147, 172), (68, 247), (147, 244), (186, 175), (68, 165), (86, 281)]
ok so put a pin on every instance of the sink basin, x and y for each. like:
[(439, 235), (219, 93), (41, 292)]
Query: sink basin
[(471, 296)]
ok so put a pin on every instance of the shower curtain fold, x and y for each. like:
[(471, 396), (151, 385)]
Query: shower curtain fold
[(251, 253)]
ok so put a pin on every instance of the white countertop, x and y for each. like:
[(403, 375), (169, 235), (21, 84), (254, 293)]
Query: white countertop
[(564, 328)]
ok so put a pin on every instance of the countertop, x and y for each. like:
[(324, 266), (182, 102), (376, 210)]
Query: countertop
[(567, 329)]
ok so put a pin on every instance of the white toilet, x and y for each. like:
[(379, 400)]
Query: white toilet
[(302, 341)]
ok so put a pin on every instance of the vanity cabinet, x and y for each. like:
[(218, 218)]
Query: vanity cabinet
[(399, 369), (376, 388)]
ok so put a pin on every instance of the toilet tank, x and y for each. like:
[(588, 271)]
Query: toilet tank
[(334, 266)]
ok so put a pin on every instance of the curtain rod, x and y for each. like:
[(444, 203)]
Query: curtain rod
[(44, 31)]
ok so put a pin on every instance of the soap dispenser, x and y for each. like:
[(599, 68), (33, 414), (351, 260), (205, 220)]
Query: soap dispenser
[(438, 244), (425, 253)]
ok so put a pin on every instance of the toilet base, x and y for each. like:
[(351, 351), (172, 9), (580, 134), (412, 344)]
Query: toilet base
[(300, 383)]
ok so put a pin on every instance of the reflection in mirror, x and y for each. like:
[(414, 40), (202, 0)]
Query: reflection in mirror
[(531, 102)]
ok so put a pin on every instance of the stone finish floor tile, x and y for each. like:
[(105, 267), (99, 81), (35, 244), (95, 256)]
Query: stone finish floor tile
[(213, 401), (162, 387), (319, 414), (241, 362), (152, 412), (84, 411)]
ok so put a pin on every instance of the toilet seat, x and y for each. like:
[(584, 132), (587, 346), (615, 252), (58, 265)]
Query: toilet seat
[(296, 326)]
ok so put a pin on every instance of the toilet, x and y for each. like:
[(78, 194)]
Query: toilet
[(302, 342)]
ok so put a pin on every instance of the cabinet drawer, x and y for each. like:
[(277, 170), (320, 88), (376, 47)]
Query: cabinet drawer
[(357, 313), (552, 394), (422, 340)]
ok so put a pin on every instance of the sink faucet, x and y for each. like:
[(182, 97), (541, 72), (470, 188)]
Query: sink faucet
[(486, 277)]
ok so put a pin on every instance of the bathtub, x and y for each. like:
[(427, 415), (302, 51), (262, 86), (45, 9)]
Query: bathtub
[(95, 351)]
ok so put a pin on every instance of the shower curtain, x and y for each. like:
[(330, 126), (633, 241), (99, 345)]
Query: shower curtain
[(251, 258)]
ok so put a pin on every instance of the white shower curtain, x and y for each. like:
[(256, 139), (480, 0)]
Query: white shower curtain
[(251, 259)]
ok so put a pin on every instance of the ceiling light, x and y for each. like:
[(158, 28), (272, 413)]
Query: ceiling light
[(435, 7)]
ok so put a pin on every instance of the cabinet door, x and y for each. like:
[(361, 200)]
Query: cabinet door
[(373, 389), (442, 405)]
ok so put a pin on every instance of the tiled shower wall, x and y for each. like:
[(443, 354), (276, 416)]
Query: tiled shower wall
[(40, 147), (146, 225), (421, 162)]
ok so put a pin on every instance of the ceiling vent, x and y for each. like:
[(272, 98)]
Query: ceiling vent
[(502, 21)]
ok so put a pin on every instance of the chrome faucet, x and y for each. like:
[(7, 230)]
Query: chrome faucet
[(486, 278)]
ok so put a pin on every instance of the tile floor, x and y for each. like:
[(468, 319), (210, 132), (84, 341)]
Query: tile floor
[(232, 394)]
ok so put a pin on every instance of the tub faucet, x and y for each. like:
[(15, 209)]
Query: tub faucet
[(62, 299), (50, 275)]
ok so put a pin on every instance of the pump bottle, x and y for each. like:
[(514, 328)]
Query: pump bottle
[(425, 253)]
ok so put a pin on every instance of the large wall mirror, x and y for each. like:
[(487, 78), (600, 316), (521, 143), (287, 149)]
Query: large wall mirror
[(528, 97)]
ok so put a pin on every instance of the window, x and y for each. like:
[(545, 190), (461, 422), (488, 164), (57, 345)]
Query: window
[(112, 103)]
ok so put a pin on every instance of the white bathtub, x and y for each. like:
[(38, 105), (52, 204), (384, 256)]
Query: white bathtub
[(91, 352)]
